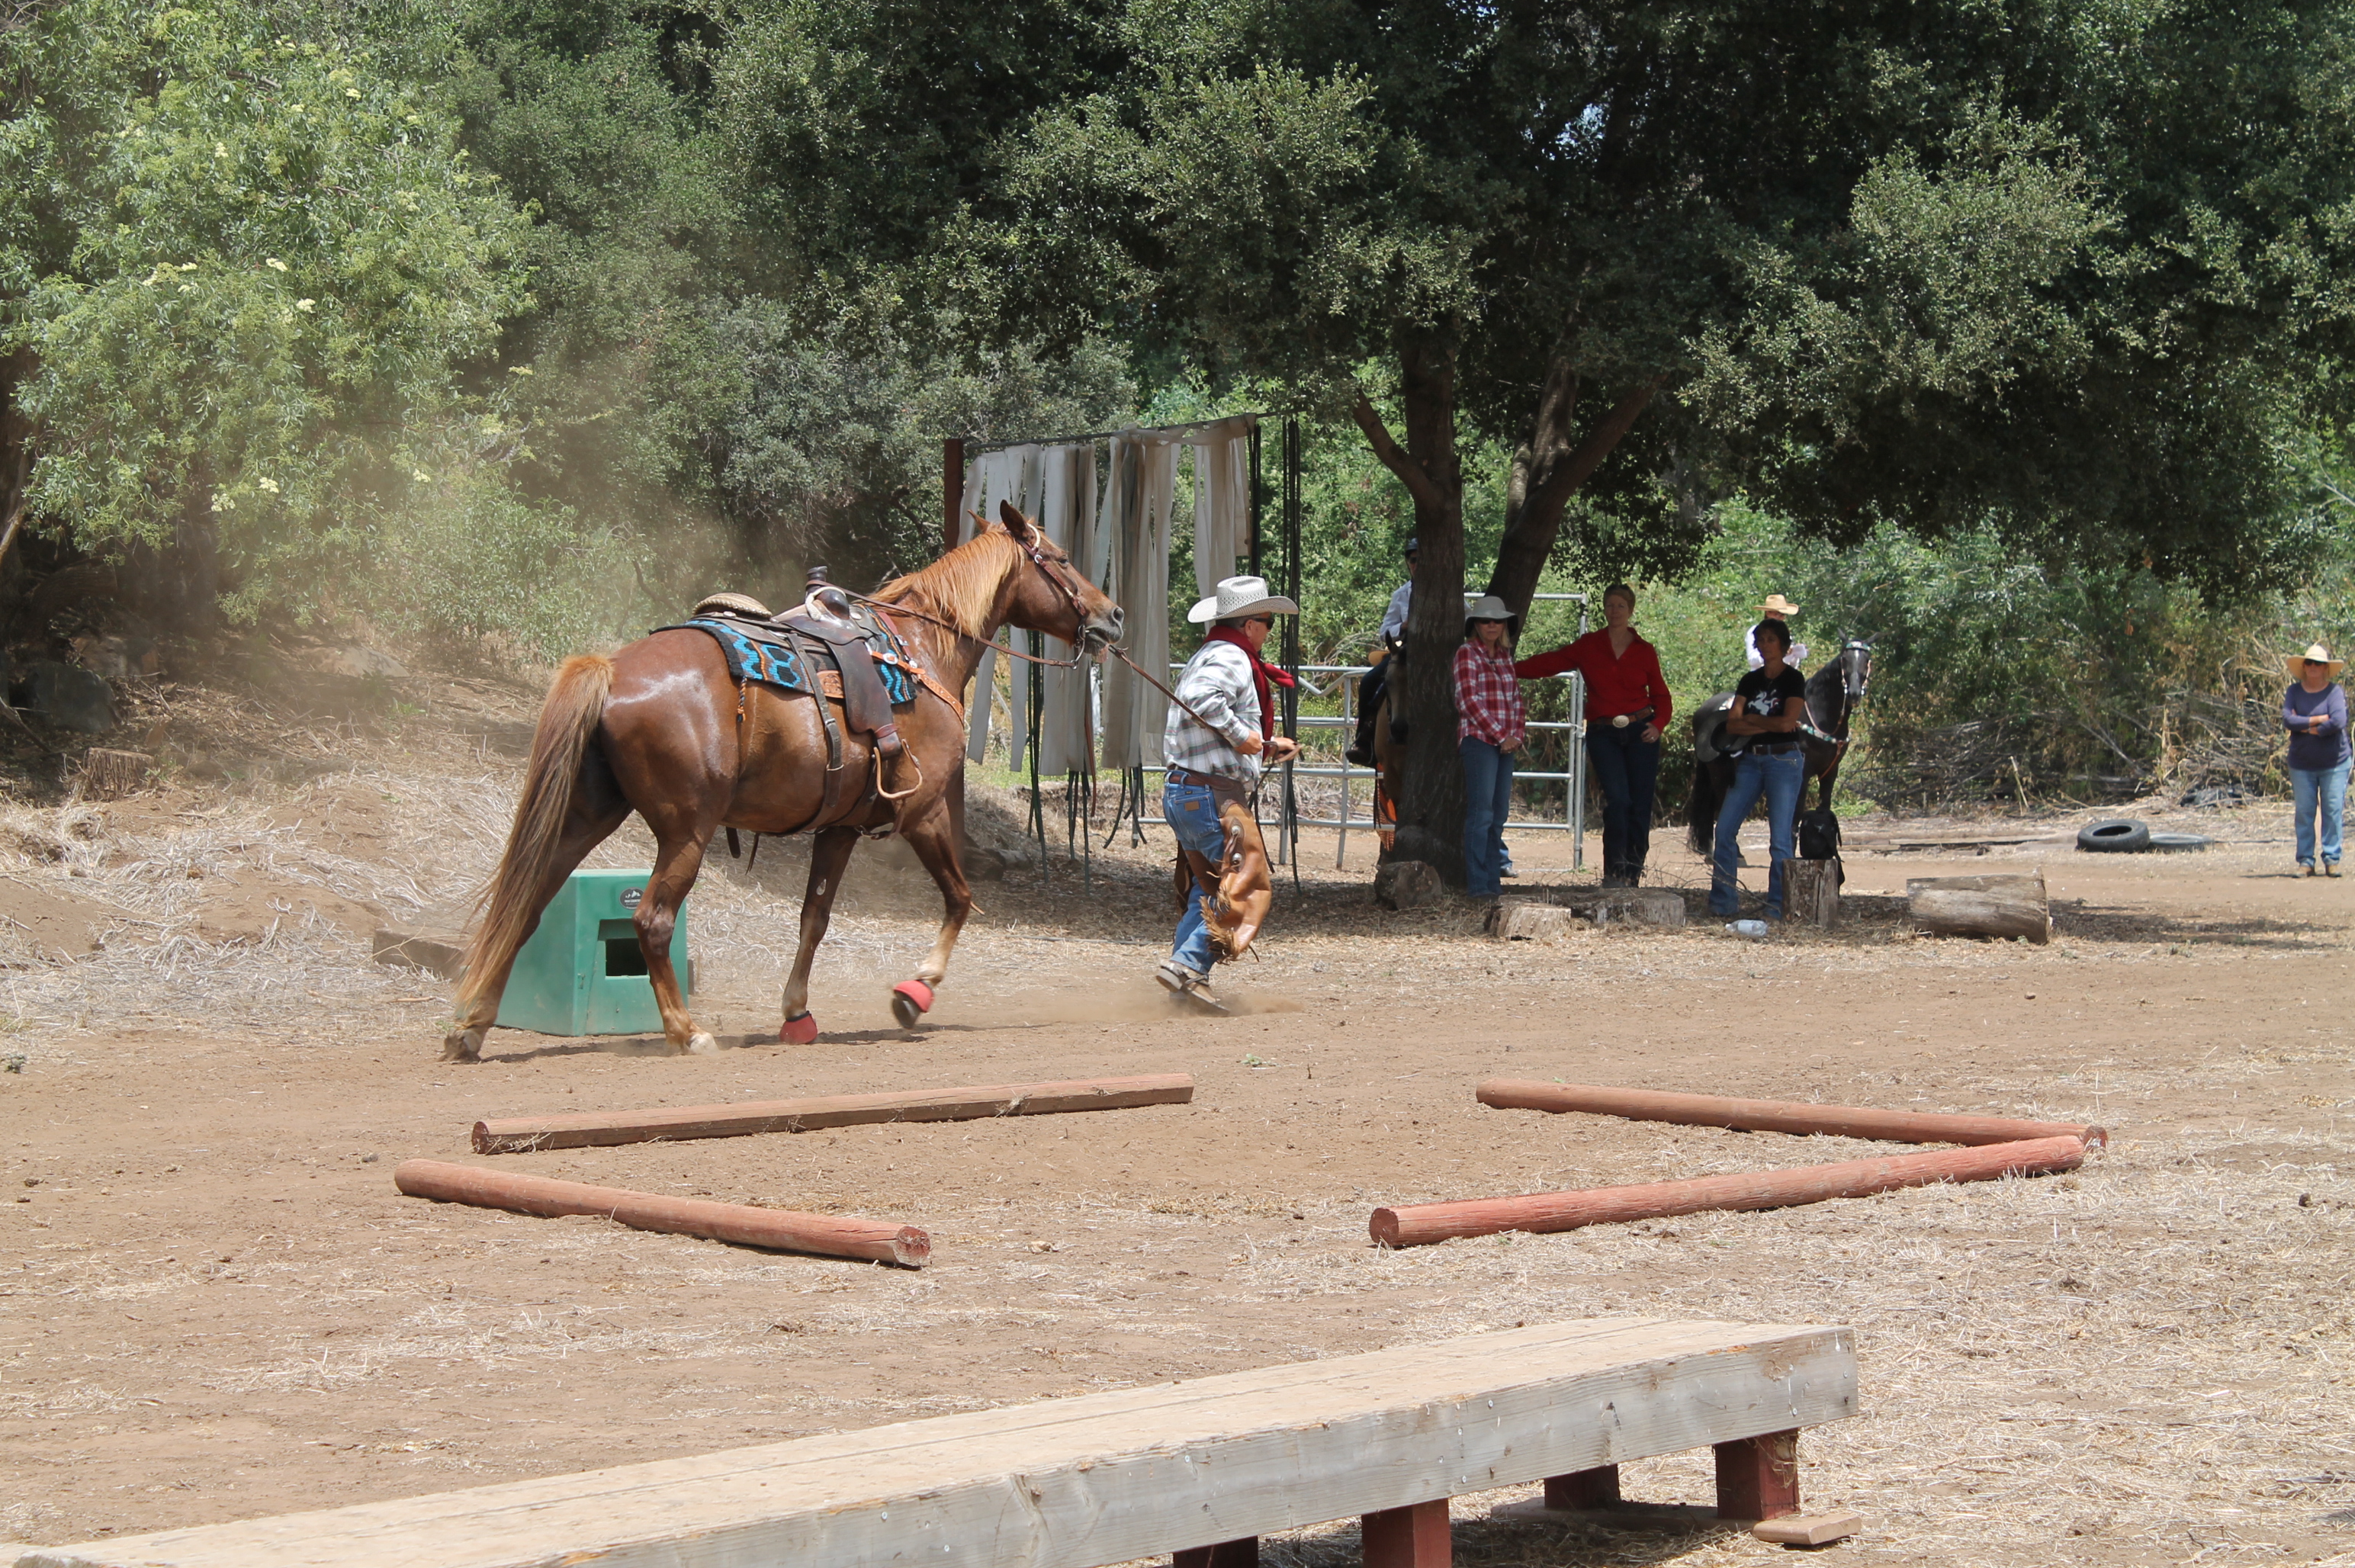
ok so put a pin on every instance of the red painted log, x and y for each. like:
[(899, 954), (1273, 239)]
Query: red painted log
[(1774, 1116), (781, 1229), (514, 1135), (1419, 1224)]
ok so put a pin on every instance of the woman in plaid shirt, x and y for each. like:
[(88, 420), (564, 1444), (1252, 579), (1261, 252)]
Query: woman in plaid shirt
[(1491, 721)]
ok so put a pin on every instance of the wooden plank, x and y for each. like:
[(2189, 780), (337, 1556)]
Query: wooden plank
[(784, 1229), (514, 1135), (1543, 1214), (1808, 1528), (1799, 1116), (1074, 1483)]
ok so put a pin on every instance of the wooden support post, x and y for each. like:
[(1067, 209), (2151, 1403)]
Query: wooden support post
[(1811, 890), (1416, 1536), (1598, 1488), (952, 491), (1758, 1478), (1243, 1553)]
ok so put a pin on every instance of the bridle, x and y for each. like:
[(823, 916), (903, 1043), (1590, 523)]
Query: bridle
[(1858, 654)]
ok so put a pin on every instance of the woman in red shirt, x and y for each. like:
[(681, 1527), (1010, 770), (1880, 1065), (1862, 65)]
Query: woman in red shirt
[(1627, 707)]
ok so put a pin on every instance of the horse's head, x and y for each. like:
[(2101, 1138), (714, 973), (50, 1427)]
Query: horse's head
[(1049, 595), (1856, 670)]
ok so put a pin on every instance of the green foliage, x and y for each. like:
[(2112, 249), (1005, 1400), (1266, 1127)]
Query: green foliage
[(249, 269)]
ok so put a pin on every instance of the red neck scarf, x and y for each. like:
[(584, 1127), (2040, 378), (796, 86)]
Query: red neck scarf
[(1263, 675)]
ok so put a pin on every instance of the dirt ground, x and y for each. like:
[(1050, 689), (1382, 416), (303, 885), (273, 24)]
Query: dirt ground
[(213, 1305)]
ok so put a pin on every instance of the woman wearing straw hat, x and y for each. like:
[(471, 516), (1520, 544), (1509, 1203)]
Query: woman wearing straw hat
[(1776, 608), (2314, 711), (1491, 721)]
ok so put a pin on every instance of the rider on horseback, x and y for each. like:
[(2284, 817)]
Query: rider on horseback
[(1377, 681)]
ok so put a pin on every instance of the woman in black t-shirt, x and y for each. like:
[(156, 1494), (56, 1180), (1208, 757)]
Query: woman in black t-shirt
[(1768, 707)]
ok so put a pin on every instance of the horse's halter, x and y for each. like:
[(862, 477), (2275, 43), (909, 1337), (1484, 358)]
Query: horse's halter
[(1058, 571)]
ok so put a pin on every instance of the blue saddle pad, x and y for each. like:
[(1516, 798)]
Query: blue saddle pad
[(774, 664)]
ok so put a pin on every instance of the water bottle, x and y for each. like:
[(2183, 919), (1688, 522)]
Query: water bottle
[(1753, 929)]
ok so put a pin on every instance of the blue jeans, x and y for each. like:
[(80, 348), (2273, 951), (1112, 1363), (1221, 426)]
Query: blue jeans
[(1627, 770), (1780, 780), (2325, 788), (1192, 813), (1487, 801)]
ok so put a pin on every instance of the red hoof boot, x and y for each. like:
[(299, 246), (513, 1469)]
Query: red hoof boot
[(802, 1030), (911, 1001)]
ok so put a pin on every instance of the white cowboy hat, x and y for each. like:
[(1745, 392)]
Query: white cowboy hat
[(1489, 607), (1240, 596), (1777, 604), (2317, 654)]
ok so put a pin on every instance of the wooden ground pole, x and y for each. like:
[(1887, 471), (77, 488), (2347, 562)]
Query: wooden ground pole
[(879, 1241), (517, 1135), (1798, 1116), (1420, 1224)]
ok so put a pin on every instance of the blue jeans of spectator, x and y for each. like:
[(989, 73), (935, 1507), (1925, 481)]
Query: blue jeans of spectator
[(1487, 801), (2320, 792), (1626, 769), (1192, 813), (1779, 779)]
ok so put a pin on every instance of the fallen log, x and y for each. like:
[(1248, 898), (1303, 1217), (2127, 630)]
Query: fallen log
[(514, 1135), (1774, 1116), (1997, 906), (1420, 1224), (781, 1229)]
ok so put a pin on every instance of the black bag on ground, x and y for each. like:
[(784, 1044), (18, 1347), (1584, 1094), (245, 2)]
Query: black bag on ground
[(1818, 835)]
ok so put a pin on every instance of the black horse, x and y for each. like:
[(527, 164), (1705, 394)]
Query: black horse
[(1833, 693)]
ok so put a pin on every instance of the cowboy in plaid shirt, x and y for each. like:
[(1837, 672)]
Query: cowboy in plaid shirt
[(1491, 721), (1215, 752)]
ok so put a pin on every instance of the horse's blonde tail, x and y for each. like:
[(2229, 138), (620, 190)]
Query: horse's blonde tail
[(576, 705)]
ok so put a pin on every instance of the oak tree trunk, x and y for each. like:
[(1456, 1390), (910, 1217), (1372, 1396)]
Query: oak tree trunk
[(1547, 472)]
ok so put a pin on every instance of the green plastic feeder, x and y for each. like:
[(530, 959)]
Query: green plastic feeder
[(582, 973)]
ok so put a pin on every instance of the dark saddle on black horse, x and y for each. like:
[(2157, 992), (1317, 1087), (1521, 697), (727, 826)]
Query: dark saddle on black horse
[(873, 669)]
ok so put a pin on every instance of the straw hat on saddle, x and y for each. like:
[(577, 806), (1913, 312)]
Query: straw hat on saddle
[(1775, 604), (1238, 597), (2315, 654)]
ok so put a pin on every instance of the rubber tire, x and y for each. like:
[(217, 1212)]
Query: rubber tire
[(2115, 835), (2177, 843)]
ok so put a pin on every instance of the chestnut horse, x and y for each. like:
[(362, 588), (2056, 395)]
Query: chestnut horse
[(660, 727)]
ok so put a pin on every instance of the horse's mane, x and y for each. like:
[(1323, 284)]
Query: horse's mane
[(962, 586)]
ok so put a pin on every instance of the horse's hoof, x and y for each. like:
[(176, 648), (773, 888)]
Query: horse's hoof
[(802, 1030), (701, 1044), (911, 1001), (462, 1045)]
